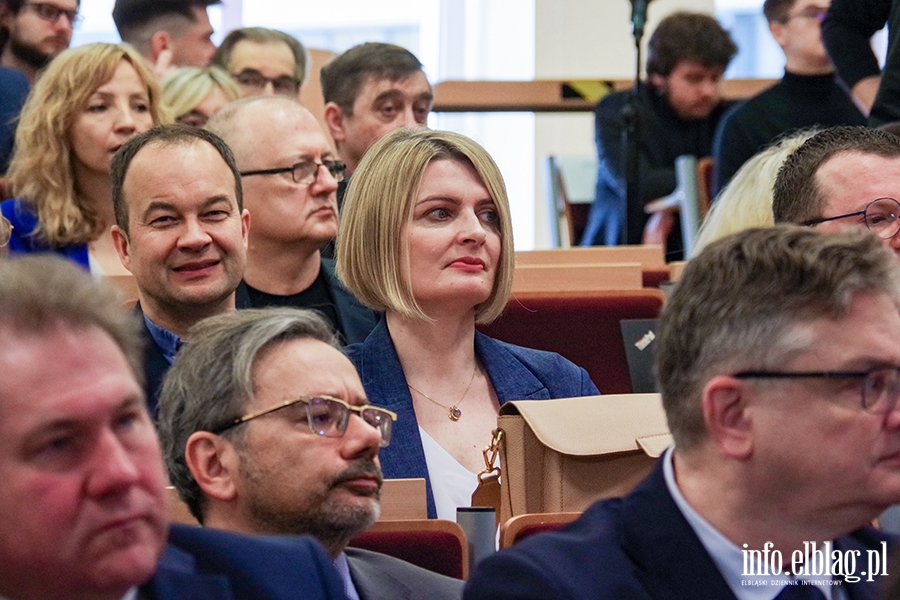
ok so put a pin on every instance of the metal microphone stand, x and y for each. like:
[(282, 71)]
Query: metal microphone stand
[(631, 115)]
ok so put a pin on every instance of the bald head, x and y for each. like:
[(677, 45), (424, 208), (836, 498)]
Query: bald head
[(248, 124)]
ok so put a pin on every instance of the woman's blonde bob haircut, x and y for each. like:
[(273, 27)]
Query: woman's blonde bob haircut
[(41, 171), (379, 206), (185, 88)]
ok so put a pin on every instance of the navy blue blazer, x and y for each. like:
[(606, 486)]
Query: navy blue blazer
[(516, 373), (200, 564), (355, 320), (639, 547), (24, 221), (155, 365)]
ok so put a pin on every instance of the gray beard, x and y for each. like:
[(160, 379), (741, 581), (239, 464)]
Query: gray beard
[(333, 524)]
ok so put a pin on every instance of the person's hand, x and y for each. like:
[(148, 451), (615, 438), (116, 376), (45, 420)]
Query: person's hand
[(163, 64), (864, 93)]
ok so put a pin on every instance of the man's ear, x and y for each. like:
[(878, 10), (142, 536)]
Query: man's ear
[(778, 32), (334, 119), (657, 81), (728, 422), (245, 227), (213, 462), (120, 241), (160, 41)]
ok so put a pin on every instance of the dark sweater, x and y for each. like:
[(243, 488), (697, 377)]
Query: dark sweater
[(796, 102), (846, 32), (664, 136)]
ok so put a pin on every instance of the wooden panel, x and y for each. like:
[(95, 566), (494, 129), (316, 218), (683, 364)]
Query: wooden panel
[(648, 256), (577, 277), (551, 95), (403, 499), (311, 91)]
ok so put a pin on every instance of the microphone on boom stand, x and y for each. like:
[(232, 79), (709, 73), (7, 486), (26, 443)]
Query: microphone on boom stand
[(634, 210)]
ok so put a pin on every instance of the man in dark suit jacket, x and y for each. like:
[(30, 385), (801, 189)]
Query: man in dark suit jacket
[(298, 455), (290, 176), (779, 369), (84, 508), (181, 230)]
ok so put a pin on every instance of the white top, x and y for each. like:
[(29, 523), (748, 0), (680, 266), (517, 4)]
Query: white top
[(94, 266), (728, 557), (451, 483)]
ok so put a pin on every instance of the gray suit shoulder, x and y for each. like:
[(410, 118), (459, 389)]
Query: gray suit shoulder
[(382, 577)]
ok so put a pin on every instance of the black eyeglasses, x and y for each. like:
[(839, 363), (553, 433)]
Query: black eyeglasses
[(5, 231), (285, 84), (51, 12), (880, 387), (305, 173), (327, 416), (882, 217)]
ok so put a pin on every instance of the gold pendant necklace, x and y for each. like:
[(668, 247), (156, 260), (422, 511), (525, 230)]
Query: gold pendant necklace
[(453, 412)]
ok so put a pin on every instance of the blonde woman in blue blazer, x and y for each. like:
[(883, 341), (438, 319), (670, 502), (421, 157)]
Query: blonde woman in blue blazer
[(426, 237)]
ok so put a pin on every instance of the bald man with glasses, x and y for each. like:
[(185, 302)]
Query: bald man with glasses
[(266, 430), (290, 178), (843, 178)]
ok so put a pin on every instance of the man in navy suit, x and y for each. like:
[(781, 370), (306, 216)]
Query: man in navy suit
[(83, 502), (779, 369)]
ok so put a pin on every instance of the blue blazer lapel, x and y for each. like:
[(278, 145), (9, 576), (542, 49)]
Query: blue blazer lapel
[(176, 578), (155, 365), (510, 378), (673, 562), (382, 377)]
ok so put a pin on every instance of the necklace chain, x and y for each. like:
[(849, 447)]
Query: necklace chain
[(453, 412)]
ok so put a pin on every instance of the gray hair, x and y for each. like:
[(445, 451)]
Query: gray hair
[(210, 382), (743, 300), (41, 292)]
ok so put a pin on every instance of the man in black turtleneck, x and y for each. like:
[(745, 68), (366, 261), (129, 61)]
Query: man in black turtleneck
[(679, 108), (808, 95)]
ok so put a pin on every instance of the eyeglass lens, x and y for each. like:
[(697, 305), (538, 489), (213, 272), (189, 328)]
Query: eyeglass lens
[(51, 13), (329, 418), (307, 172), (5, 231), (881, 389), (281, 85), (883, 217)]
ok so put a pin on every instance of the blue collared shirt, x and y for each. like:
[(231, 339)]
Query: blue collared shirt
[(343, 569), (167, 341)]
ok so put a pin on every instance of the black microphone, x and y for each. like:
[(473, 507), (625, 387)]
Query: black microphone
[(638, 17)]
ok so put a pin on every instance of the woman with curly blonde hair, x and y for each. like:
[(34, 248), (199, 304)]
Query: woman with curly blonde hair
[(89, 102)]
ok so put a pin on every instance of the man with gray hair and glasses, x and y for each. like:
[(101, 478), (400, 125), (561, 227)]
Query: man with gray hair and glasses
[(266, 430), (778, 362), (843, 177)]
